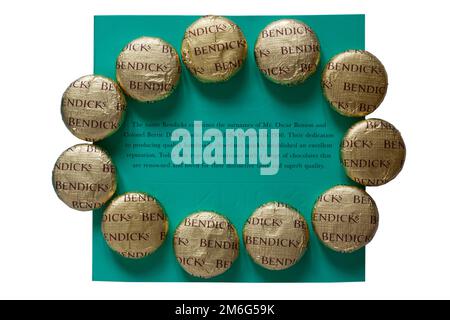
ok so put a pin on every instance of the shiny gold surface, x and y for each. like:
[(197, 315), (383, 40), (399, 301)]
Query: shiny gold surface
[(287, 51), (355, 83), (148, 69), (214, 49), (373, 152), (345, 218), (84, 177), (276, 236), (134, 225), (93, 107), (206, 244)]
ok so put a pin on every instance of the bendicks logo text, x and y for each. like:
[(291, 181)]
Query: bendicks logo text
[(211, 147)]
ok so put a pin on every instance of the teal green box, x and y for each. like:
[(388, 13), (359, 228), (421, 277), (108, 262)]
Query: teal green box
[(233, 191)]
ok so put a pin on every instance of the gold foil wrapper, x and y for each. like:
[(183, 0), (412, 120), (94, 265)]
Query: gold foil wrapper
[(134, 225), (214, 49), (84, 177), (287, 51), (345, 218), (206, 244), (373, 152), (355, 83), (276, 236), (93, 107), (148, 69)]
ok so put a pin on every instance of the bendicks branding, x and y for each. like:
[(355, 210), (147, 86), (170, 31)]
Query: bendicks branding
[(235, 147)]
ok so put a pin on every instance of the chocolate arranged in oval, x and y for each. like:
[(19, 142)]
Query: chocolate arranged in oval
[(355, 83), (276, 236), (287, 51), (206, 244), (214, 49), (134, 225), (148, 69), (345, 218), (373, 152), (84, 177), (93, 107)]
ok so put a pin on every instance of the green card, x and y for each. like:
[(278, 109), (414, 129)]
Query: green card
[(308, 150)]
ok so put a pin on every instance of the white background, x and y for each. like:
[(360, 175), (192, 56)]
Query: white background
[(46, 247)]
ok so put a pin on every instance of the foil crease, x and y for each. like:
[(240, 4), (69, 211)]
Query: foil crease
[(276, 236), (196, 246), (128, 229), (204, 65), (351, 92), (84, 177), (332, 224), (154, 85), (298, 66), (93, 107), (373, 152)]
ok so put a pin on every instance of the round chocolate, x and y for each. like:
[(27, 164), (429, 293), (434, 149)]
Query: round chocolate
[(134, 225), (206, 244), (148, 69), (213, 49), (345, 218), (276, 236), (287, 51), (84, 177), (355, 83), (373, 152), (93, 107)]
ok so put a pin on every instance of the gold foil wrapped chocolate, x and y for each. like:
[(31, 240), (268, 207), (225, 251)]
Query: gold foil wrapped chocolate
[(148, 69), (134, 225), (373, 152), (214, 49), (276, 236), (355, 83), (206, 244), (345, 218), (84, 177), (287, 51), (93, 107)]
